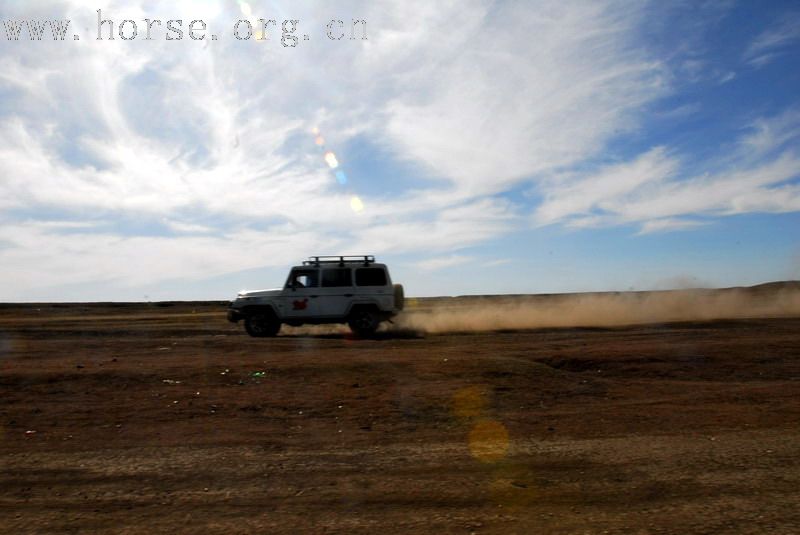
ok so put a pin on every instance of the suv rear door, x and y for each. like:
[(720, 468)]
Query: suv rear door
[(373, 284), (336, 291)]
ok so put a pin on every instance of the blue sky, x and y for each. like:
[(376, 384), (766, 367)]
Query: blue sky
[(477, 147)]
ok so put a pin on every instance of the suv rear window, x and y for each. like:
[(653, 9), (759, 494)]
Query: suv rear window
[(336, 277), (370, 277)]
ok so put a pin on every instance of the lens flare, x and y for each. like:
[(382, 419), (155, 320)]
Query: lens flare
[(333, 163), (488, 441), (356, 204), (514, 486), (469, 402), (330, 159), (247, 11)]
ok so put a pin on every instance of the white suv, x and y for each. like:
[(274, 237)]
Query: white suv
[(325, 289)]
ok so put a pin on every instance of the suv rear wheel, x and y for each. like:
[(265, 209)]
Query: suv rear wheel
[(363, 321), (261, 325)]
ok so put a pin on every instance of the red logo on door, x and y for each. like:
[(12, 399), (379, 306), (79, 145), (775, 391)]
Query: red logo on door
[(300, 305)]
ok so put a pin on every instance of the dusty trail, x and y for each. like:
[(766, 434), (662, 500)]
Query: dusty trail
[(477, 314)]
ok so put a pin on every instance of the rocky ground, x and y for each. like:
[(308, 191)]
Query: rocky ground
[(147, 418)]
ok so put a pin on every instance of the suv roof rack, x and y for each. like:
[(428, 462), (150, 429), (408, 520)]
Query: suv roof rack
[(340, 260)]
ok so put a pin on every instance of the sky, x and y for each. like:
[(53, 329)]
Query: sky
[(475, 147)]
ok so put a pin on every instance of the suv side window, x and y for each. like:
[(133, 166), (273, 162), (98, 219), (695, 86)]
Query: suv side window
[(370, 277), (303, 278), (336, 277)]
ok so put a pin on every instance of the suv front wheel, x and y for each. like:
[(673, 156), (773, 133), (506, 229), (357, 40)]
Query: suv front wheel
[(363, 321), (262, 325)]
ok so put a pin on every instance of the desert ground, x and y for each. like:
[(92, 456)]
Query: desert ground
[(164, 417)]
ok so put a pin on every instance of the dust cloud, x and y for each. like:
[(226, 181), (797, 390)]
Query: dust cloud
[(470, 314)]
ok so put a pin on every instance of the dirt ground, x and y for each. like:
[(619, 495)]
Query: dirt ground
[(149, 419)]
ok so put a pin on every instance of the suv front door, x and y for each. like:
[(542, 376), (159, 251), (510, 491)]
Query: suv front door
[(299, 297)]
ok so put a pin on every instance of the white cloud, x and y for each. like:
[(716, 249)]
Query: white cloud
[(669, 224), (435, 264), (773, 41), (578, 197), (753, 189), (727, 77), (451, 229), (681, 112), (535, 96), (770, 134), (498, 262), (655, 189), (35, 259), (187, 228)]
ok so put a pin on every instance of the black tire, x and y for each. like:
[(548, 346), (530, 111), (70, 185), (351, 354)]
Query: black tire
[(399, 297), (262, 325), (363, 322)]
